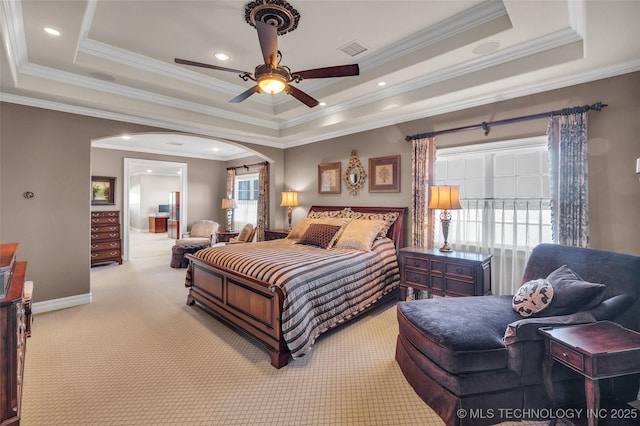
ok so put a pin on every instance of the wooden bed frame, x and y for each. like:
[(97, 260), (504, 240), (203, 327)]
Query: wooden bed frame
[(249, 304)]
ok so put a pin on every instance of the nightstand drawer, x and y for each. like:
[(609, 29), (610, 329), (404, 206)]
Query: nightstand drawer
[(416, 277), (416, 262), (567, 355), (465, 271), (460, 288)]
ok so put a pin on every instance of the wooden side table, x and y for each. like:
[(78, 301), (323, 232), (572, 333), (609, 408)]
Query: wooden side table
[(456, 273), (598, 351), (225, 236), (275, 234)]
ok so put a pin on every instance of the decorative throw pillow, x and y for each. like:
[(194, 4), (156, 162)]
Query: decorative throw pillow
[(532, 297), (301, 227), (387, 218), (320, 235), (571, 293), (359, 234)]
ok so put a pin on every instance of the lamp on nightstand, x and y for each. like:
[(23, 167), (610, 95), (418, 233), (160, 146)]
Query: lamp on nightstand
[(445, 198), (289, 200), (229, 204)]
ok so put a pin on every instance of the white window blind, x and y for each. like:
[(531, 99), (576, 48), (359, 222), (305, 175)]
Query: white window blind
[(246, 195), (504, 193)]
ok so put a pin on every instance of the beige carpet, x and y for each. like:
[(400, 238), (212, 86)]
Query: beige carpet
[(139, 355)]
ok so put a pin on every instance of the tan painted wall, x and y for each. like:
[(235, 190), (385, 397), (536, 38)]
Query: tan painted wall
[(49, 153), (614, 144)]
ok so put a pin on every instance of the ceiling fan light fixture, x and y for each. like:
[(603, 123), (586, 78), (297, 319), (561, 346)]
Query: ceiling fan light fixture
[(271, 83)]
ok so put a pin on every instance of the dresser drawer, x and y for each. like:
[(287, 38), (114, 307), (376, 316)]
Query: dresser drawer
[(105, 245), (567, 355), (105, 236), (105, 254), (460, 288), (105, 228), (416, 262), (459, 269), (105, 220)]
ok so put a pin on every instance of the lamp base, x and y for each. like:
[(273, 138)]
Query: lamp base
[(445, 248), (445, 218)]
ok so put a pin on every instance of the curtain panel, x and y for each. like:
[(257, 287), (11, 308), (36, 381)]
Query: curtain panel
[(263, 201), (231, 184), (568, 177), (422, 219)]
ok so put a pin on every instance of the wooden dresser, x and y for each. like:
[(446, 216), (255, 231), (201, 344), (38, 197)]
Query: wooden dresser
[(13, 343), (275, 234), (106, 245), (456, 273)]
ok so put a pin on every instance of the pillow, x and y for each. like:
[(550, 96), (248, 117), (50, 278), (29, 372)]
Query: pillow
[(300, 228), (359, 234), (320, 235), (387, 218), (571, 293), (328, 213), (532, 297)]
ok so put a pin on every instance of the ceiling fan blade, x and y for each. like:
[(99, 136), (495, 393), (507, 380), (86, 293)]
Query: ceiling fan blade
[(337, 71), (213, 67), (268, 37), (301, 96), (244, 95)]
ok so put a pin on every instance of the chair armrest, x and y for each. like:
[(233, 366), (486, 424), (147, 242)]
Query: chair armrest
[(527, 329)]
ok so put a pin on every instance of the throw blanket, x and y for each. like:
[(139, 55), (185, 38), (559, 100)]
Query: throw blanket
[(322, 288)]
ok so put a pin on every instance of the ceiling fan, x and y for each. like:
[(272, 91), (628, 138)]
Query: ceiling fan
[(271, 77)]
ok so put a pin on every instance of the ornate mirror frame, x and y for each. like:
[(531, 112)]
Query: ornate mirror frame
[(355, 175)]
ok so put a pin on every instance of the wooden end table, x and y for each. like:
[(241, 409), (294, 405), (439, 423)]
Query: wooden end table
[(225, 236), (600, 350)]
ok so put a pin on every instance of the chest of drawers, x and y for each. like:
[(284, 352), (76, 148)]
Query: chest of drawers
[(456, 273), (106, 244)]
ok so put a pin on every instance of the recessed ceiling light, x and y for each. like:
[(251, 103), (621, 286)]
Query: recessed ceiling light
[(149, 170), (382, 83), (323, 104), (485, 48), (215, 148), (52, 31), (222, 56), (126, 137)]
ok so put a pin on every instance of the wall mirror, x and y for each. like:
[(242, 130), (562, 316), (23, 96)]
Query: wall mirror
[(355, 175)]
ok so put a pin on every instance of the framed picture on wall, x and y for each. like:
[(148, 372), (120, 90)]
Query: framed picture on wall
[(103, 190), (384, 174), (329, 178)]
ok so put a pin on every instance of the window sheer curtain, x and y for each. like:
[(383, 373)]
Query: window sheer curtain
[(231, 184), (569, 177), (422, 219)]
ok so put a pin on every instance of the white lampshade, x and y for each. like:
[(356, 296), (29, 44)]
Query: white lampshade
[(445, 197), (289, 199), (229, 203)]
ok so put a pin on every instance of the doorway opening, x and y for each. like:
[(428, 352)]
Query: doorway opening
[(145, 183)]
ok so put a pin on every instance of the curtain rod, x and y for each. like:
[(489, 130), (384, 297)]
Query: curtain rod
[(486, 126), (246, 166)]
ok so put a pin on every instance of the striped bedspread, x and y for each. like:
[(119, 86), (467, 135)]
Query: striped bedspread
[(322, 288)]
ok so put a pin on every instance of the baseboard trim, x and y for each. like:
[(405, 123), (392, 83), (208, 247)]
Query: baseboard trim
[(61, 303)]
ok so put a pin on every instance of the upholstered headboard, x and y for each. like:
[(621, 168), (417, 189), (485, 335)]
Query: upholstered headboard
[(396, 231)]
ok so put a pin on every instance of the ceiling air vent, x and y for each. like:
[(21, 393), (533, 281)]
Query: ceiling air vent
[(353, 48), (175, 143)]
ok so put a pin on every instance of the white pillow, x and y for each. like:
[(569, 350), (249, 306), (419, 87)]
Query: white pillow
[(532, 297)]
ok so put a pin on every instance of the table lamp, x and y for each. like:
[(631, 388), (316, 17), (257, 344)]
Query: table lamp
[(229, 204), (289, 199), (445, 198)]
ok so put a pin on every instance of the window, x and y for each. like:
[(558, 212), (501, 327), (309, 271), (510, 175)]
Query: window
[(504, 193), (246, 195)]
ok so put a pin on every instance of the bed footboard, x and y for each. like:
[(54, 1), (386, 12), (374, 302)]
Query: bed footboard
[(245, 303)]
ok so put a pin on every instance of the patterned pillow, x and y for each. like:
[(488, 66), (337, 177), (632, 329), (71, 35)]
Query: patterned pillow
[(298, 231), (320, 235), (359, 234), (388, 219), (532, 297), (325, 214)]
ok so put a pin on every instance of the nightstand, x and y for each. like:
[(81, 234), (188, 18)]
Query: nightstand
[(225, 236), (597, 351), (275, 234), (456, 273)]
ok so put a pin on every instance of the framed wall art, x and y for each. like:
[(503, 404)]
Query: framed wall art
[(103, 190), (384, 174), (329, 178)]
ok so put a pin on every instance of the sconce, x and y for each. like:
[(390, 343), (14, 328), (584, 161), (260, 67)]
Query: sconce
[(229, 204), (289, 200)]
